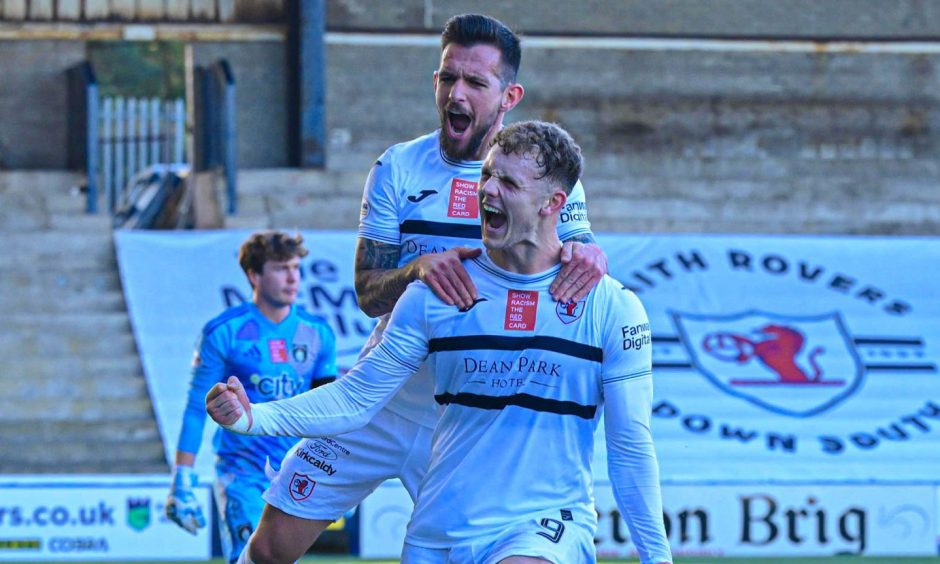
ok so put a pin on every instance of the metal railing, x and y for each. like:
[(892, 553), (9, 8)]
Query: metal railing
[(112, 139), (134, 134)]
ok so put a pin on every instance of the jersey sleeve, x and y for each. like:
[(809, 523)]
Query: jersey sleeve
[(628, 395), (351, 401), (208, 368), (573, 219), (378, 217)]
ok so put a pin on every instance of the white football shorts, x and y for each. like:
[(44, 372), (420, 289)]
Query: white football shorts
[(323, 478), (555, 536)]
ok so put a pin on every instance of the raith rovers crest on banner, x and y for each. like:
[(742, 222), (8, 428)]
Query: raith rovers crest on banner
[(792, 365)]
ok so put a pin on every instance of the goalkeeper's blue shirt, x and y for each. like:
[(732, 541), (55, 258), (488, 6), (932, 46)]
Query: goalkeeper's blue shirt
[(272, 360), (419, 199), (521, 381)]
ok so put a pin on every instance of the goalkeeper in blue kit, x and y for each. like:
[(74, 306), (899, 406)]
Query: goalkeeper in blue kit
[(278, 351)]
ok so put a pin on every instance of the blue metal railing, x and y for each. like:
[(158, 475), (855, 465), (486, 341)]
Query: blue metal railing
[(113, 139)]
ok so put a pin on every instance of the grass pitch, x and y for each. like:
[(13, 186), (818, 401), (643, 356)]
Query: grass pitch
[(686, 560)]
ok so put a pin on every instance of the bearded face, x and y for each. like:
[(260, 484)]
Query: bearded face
[(468, 90)]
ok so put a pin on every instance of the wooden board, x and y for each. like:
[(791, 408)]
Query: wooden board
[(149, 10), (227, 11), (68, 10), (177, 10), (123, 9), (256, 11), (13, 9), (40, 10), (97, 9), (202, 10)]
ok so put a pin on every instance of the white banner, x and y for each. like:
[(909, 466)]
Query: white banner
[(729, 520), (66, 518), (797, 520), (797, 359), (790, 358)]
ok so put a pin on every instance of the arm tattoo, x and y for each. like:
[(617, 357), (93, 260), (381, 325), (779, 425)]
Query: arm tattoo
[(586, 238), (373, 255), (379, 281)]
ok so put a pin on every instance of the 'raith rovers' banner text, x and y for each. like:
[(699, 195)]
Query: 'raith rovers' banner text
[(790, 358)]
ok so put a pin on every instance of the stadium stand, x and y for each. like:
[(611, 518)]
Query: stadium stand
[(76, 400)]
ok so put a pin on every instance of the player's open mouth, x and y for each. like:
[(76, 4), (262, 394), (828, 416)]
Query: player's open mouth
[(495, 219), (459, 122)]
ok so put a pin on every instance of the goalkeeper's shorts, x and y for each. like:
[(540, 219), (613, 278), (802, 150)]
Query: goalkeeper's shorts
[(323, 478)]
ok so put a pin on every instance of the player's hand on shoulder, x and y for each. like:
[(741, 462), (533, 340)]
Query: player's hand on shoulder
[(583, 266), (445, 274), (181, 505), (227, 403)]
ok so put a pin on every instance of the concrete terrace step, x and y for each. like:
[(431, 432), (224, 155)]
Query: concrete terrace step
[(50, 278), (61, 301), (65, 368), (89, 386), (41, 201), (277, 181), (80, 222), (64, 250), (45, 466), (87, 451), (67, 407), (50, 431), (33, 342), (97, 323)]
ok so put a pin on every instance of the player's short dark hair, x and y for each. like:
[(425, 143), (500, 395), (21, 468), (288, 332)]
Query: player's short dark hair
[(468, 30), (263, 246), (553, 149)]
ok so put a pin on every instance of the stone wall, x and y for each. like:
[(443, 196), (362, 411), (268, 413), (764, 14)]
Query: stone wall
[(683, 128)]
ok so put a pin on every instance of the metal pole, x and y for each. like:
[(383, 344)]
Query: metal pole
[(311, 82)]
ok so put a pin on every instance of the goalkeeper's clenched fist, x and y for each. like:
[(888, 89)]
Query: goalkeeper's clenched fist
[(181, 505)]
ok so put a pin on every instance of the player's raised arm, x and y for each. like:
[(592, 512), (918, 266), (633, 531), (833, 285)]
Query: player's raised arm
[(628, 398)]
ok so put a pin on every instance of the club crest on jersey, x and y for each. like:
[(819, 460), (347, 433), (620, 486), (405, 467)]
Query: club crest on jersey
[(570, 311), (792, 365), (278, 350), (301, 486), (521, 309), (299, 352), (463, 199)]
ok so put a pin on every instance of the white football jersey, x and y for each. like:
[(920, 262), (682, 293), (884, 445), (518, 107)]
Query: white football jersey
[(521, 381), (421, 200)]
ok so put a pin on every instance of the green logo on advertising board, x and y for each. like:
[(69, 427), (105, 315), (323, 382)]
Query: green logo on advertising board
[(138, 513)]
